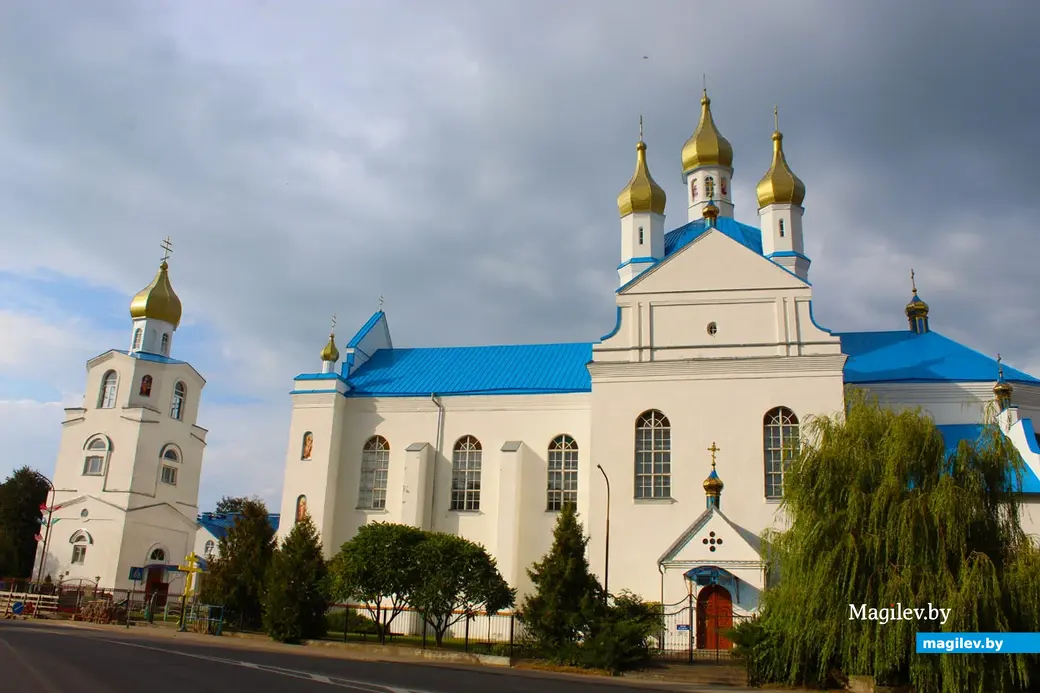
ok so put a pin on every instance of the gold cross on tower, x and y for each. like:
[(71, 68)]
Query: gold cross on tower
[(640, 128), (333, 322), (776, 118), (713, 449), (913, 282), (167, 246), (1000, 367)]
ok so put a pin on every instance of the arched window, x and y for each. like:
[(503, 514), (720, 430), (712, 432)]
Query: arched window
[(211, 546), (307, 448), (465, 474), (653, 455), (709, 188), (375, 465), (781, 445), (301, 508), (157, 555), (80, 540), (146, 386), (170, 456), (177, 406), (165, 347), (781, 228), (640, 235), (98, 449), (137, 338), (107, 395), (563, 473)]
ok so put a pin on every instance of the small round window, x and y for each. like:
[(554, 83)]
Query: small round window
[(84, 512), (712, 328)]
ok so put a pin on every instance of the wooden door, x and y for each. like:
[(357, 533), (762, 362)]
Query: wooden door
[(714, 617)]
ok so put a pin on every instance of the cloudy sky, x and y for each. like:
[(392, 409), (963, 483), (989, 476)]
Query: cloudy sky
[(463, 159)]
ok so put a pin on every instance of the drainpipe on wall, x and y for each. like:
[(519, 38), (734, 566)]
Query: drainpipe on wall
[(436, 455)]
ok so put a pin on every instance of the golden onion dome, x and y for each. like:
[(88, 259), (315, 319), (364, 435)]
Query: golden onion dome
[(1002, 389), (780, 185), (713, 484), (710, 212), (642, 194), (707, 147), (330, 352), (916, 308), (157, 300)]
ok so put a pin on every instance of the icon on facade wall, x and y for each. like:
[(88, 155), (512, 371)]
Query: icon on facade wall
[(301, 508), (308, 445), (146, 386), (723, 187), (693, 190)]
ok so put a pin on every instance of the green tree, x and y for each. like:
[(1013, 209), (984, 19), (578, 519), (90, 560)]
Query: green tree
[(881, 514), (233, 504), (295, 604), (236, 578), (377, 566), (21, 496), (567, 596), (459, 578)]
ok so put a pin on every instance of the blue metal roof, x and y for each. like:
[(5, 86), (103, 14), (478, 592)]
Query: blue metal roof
[(903, 356), (218, 523), (747, 236), (953, 434), (488, 370)]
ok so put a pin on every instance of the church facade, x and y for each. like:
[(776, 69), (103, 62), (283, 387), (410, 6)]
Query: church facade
[(677, 420), (126, 479)]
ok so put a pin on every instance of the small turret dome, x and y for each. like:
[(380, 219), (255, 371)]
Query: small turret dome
[(642, 194), (330, 353), (780, 185), (713, 484)]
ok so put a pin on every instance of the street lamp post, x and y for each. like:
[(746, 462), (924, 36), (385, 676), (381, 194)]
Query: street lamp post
[(606, 539), (47, 536)]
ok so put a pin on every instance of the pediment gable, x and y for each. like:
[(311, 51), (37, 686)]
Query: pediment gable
[(713, 262), (714, 539)]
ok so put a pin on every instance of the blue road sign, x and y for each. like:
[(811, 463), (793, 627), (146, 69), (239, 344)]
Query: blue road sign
[(682, 626), (17, 608), (137, 574)]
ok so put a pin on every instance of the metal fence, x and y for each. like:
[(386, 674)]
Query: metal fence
[(691, 635)]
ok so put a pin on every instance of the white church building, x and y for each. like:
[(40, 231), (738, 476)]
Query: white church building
[(126, 479), (676, 418)]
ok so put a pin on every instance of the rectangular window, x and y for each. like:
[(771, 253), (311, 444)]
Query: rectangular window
[(94, 466), (169, 475), (465, 486), (79, 552), (372, 494)]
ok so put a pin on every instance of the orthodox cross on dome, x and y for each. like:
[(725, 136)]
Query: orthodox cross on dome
[(713, 449), (913, 282), (333, 323), (167, 246), (640, 127), (776, 118), (380, 303), (1000, 367)]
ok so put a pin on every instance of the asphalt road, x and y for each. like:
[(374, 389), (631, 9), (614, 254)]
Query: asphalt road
[(40, 658)]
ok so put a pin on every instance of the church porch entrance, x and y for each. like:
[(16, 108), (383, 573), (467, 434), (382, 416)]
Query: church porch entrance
[(714, 618)]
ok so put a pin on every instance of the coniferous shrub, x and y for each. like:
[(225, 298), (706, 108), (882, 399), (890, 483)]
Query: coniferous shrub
[(296, 602)]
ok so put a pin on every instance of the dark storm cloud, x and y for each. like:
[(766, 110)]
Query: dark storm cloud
[(463, 159)]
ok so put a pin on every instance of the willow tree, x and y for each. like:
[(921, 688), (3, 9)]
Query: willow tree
[(880, 513)]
